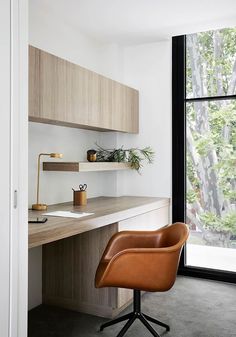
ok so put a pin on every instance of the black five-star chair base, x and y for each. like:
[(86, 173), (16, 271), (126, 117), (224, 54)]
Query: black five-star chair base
[(131, 317)]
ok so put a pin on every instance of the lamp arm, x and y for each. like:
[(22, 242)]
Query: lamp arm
[(38, 177), (53, 155)]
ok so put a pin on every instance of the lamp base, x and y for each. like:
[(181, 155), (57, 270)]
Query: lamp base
[(39, 207)]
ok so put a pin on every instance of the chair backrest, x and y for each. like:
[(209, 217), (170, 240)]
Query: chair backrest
[(169, 239), (146, 260), (172, 235)]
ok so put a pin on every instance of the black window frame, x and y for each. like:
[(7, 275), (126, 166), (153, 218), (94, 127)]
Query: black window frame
[(179, 101)]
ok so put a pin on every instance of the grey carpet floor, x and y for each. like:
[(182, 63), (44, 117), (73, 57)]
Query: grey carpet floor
[(192, 308)]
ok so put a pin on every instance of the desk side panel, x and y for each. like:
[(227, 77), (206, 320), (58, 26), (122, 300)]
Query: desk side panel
[(69, 267)]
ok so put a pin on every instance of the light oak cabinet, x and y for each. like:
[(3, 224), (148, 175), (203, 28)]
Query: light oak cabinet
[(66, 94)]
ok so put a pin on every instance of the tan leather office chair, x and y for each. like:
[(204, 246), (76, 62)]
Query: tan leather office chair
[(146, 260)]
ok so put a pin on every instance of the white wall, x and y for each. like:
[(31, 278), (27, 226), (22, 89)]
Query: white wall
[(147, 67), (56, 187)]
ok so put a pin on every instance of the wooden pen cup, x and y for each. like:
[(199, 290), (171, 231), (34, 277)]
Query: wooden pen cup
[(80, 198)]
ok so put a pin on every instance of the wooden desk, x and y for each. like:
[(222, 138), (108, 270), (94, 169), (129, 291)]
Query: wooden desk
[(72, 249), (107, 210)]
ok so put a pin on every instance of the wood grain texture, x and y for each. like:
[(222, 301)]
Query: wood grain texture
[(106, 112), (107, 210), (64, 93), (69, 267), (61, 166), (84, 166), (34, 94)]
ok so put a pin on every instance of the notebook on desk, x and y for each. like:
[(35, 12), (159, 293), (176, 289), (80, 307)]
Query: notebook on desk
[(68, 214)]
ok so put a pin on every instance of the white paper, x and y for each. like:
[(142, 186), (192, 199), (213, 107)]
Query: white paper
[(68, 214)]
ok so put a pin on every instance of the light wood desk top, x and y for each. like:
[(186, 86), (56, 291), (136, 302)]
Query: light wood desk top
[(107, 210)]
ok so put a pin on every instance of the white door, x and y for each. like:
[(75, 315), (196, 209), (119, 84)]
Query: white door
[(13, 168)]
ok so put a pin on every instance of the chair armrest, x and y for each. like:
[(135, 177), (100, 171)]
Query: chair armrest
[(148, 269), (129, 239)]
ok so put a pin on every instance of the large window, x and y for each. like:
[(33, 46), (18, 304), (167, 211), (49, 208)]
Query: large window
[(205, 82)]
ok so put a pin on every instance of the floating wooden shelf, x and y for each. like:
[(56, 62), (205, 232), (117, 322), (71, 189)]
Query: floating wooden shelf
[(84, 166)]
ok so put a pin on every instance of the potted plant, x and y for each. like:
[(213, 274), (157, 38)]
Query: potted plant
[(134, 156)]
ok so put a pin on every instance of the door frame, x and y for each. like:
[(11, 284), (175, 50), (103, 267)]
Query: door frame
[(14, 167), (179, 158)]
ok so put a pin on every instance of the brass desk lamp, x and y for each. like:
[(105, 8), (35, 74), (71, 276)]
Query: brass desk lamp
[(38, 206)]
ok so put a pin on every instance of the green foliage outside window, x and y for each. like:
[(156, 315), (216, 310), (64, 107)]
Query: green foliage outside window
[(211, 130)]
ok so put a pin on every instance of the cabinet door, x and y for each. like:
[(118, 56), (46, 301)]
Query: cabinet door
[(131, 120), (78, 95), (53, 87), (34, 95), (106, 102), (124, 108), (94, 100), (64, 93), (118, 106)]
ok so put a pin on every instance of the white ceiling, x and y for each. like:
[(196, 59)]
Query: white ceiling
[(141, 21)]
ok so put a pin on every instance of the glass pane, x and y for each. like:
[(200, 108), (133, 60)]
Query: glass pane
[(211, 184), (211, 63)]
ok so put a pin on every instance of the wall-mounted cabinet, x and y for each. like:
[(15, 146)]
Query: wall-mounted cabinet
[(64, 93)]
